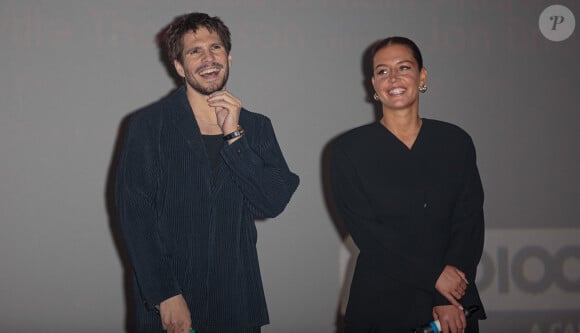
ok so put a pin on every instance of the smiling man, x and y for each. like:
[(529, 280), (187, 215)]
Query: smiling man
[(196, 169)]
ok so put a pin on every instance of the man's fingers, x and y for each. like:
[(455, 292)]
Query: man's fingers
[(223, 97)]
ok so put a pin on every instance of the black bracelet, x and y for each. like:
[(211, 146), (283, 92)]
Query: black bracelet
[(234, 134)]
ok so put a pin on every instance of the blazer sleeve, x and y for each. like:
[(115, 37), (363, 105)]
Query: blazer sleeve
[(467, 233), (138, 174), (261, 171)]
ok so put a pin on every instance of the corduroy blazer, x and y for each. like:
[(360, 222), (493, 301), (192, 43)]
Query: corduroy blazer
[(189, 233)]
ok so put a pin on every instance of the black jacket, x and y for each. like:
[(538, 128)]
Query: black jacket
[(187, 233), (410, 212)]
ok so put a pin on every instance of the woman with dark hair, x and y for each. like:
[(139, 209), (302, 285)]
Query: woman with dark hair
[(409, 192)]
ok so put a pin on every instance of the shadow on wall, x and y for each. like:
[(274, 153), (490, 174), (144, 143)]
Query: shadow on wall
[(349, 250), (116, 232), (342, 233)]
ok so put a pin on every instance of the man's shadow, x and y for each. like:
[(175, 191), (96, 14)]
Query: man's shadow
[(128, 291), (349, 247), (128, 285)]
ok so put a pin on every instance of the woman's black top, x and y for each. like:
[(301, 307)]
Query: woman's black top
[(410, 212)]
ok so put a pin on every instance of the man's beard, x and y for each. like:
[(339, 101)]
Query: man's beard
[(212, 87)]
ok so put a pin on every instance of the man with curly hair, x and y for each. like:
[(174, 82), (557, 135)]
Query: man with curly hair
[(195, 170)]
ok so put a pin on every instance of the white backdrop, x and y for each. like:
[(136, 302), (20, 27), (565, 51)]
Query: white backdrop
[(71, 70)]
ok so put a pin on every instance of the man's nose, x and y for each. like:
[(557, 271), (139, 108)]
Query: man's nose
[(208, 56)]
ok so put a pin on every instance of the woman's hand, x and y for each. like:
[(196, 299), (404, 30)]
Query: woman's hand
[(451, 318), (452, 284)]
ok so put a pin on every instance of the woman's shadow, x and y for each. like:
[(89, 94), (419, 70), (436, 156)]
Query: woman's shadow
[(349, 251), (129, 292)]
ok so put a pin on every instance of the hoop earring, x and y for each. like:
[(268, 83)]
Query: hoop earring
[(423, 88), (376, 96)]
